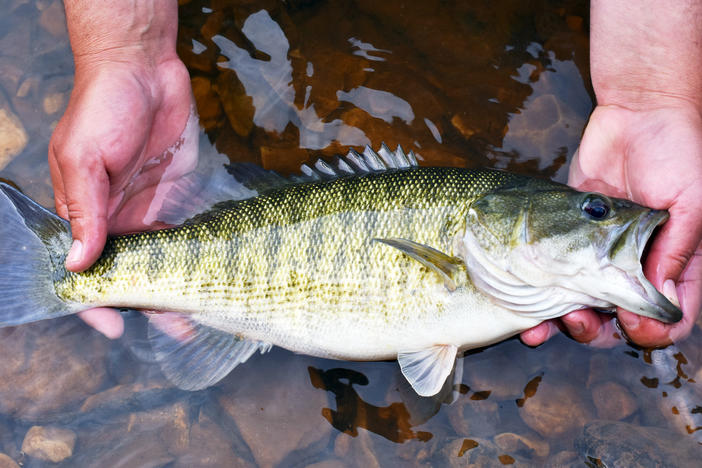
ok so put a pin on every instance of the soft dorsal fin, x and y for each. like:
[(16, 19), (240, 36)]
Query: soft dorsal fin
[(426, 370), (194, 356), (446, 266)]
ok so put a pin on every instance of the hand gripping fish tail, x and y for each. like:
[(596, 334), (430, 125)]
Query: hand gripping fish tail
[(33, 242)]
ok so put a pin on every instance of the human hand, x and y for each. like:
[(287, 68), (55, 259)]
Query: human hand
[(129, 130), (654, 157), (121, 142)]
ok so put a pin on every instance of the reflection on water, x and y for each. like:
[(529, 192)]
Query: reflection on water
[(503, 84)]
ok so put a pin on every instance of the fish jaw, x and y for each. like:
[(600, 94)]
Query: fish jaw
[(625, 284)]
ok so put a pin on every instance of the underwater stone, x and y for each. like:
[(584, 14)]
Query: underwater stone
[(7, 462), (48, 443), (557, 408), (615, 443), (613, 401), (13, 137)]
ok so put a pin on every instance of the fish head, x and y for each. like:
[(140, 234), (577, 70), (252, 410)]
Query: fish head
[(550, 249)]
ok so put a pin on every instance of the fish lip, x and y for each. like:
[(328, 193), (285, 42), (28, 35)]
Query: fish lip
[(645, 227), (648, 222)]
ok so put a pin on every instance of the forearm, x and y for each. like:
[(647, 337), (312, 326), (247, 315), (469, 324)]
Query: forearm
[(138, 31), (646, 52)]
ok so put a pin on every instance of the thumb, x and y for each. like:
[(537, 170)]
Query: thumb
[(85, 185)]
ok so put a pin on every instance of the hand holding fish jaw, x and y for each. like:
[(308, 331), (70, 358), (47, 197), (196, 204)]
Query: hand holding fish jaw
[(122, 136), (653, 157)]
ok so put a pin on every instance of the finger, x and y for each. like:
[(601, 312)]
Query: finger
[(583, 325), (672, 253), (107, 321), (675, 244), (57, 182), (539, 334), (86, 190), (650, 332)]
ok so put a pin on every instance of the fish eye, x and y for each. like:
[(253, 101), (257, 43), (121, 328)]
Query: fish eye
[(596, 207)]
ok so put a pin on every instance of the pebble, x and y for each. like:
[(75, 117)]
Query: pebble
[(49, 367), (53, 102), (211, 446), (53, 19), (477, 418), (613, 401), (48, 443), (13, 137), (501, 373), (169, 424), (7, 462), (474, 452), (274, 406), (556, 408), (527, 445), (616, 443), (359, 449)]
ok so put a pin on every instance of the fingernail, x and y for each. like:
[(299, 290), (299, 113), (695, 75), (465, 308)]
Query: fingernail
[(74, 254), (671, 293), (629, 320)]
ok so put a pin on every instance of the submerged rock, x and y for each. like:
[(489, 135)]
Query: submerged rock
[(13, 137), (556, 408), (613, 401), (614, 443), (7, 462), (474, 452), (49, 367), (48, 443), (275, 407), (528, 445), (210, 445)]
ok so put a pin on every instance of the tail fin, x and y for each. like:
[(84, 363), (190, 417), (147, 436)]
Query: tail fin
[(33, 244)]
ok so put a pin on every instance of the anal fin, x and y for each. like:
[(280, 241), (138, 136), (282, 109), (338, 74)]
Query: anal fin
[(194, 356), (426, 370)]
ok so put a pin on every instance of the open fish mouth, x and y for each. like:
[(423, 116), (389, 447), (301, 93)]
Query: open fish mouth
[(655, 305), (647, 224)]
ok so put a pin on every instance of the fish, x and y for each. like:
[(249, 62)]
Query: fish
[(368, 257)]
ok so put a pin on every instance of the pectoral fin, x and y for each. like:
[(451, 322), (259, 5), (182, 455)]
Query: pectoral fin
[(426, 370), (195, 356), (447, 267)]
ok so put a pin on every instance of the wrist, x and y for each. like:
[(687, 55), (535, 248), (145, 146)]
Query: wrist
[(139, 32), (646, 54)]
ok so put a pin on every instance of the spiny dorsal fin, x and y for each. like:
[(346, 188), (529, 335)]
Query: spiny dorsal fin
[(355, 163)]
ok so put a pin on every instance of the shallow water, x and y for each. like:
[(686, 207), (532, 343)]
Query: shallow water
[(500, 84)]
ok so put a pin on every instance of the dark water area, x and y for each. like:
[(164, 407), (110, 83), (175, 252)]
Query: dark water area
[(501, 84)]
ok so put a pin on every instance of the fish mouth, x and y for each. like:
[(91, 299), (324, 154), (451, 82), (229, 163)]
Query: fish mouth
[(645, 227), (650, 302)]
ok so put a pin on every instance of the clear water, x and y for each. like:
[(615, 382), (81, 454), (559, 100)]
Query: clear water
[(501, 84)]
